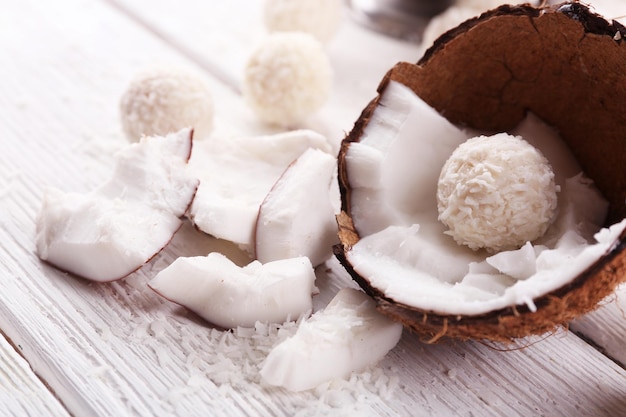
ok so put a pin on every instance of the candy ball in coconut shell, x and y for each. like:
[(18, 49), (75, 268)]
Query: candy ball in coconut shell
[(562, 63)]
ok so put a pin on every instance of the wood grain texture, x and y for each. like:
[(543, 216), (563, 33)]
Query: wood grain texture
[(118, 349), (22, 393), (359, 58), (606, 326)]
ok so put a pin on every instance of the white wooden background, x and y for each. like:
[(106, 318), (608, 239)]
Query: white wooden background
[(69, 347)]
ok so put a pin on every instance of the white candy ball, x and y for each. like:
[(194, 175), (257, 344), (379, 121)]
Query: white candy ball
[(162, 100), (320, 18), (287, 78), (484, 5), (496, 193), (446, 20)]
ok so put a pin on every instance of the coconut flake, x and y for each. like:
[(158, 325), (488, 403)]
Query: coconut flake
[(519, 264)]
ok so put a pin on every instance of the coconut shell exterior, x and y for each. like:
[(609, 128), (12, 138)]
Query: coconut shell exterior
[(563, 63)]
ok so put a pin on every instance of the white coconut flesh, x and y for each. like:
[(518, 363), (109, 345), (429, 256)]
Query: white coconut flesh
[(112, 231), (404, 249), (236, 174), (228, 296), (347, 336), (297, 217)]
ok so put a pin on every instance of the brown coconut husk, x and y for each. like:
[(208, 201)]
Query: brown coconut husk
[(568, 66)]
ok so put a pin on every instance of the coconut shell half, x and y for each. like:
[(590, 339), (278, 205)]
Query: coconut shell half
[(563, 63)]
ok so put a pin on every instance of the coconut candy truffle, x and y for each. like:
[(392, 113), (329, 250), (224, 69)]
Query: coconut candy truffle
[(522, 61), (497, 193), (320, 18), (287, 78), (162, 100)]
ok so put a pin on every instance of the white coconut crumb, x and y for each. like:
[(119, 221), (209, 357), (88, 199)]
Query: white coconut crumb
[(162, 100), (232, 360), (497, 193), (287, 78), (319, 18), (158, 328)]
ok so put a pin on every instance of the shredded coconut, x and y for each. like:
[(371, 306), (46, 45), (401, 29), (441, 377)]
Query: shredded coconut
[(287, 77), (162, 100), (232, 360), (496, 192)]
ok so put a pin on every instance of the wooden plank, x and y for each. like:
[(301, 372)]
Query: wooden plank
[(21, 392), (357, 73), (606, 327), (118, 349)]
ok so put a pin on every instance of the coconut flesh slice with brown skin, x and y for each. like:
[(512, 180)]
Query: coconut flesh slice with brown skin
[(563, 64), (228, 296), (347, 336), (297, 217), (112, 231)]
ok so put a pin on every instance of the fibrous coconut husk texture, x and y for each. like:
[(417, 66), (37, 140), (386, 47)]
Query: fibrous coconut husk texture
[(568, 66)]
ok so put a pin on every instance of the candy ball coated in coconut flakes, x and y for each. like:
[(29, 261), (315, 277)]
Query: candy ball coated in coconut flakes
[(320, 18), (483, 5), (497, 193), (159, 101), (287, 78)]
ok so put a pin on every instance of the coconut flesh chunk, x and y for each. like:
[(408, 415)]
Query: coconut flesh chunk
[(391, 241), (229, 296), (297, 217), (112, 231), (235, 176), (347, 336)]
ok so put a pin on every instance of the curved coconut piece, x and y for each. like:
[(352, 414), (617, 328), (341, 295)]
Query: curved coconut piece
[(112, 231), (228, 296), (297, 217), (347, 336), (566, 65)]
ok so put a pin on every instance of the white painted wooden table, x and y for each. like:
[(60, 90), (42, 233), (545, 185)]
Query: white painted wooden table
[(69, 347)]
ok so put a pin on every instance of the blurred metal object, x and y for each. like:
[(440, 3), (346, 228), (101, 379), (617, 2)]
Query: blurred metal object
[(405, 19)]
